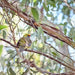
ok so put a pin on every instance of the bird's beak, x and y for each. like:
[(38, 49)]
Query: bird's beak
[(29, 35)]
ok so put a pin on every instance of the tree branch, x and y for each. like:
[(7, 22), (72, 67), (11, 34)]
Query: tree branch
[(60, 52), (30, 21), (50, 58), (32, 64), (40, 54), (49, 30), (65, 1), (8, 42)]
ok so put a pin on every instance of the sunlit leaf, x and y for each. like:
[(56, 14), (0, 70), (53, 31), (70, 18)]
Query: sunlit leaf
[(40, 45), (1, 49), (34, 1), (2, 27), (35, 13), (61, 43)]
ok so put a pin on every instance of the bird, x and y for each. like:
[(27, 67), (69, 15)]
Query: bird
[(24, 42)]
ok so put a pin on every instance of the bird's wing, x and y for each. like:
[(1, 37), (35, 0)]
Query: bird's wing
[(21, 42)]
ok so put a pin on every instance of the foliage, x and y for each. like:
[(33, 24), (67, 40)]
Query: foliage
[(35, 14), (1, 49), (12, 28)]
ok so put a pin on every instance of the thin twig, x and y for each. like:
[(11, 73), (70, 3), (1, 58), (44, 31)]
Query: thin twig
[(59, 52), (8, 43), (50, 31), (50, 58), (65, 1), (41, 54), (32, 64)]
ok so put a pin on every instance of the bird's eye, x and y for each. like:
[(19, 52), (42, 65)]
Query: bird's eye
[(28, 35)]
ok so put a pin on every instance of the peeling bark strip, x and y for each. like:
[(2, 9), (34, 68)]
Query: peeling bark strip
[(47, 29)]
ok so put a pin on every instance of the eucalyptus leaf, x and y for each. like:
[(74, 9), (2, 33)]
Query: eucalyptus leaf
[(34, 1), (23, 2), (45, 7), (3, 26), (55, 54), (40, 31), (72, 33), (61, 43), (65, 31), (1, 49), (4, 34), (35, 13), (11, 71)]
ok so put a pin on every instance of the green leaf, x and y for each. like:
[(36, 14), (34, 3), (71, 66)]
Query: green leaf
[(24, 10), (10, 51), (31, 56), (13, 13), (61, 43), (35, 13), (23, 2), (11, 71), (8, 64), (3, 26), (45, 7), (65, 31), (40, 31), (4, 34), (54, 53), (34, 1), (1, 49)]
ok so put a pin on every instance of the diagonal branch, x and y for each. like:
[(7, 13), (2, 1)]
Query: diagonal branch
[(8, 42), (68, 5), (50, 58), (48, 30), (37, 52), (60, 52)]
